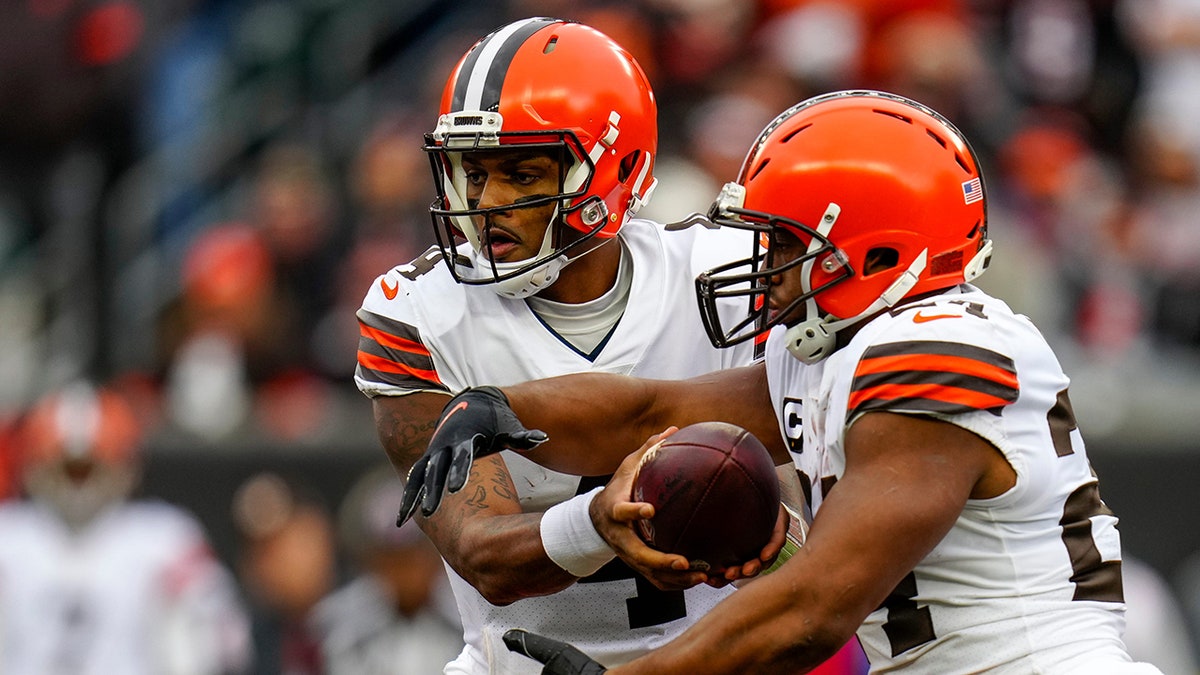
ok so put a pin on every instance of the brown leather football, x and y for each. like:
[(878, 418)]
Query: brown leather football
[(715, 494)]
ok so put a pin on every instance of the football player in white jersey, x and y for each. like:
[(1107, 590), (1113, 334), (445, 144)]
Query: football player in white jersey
[(93, 582), (958, 524), (542, 154)]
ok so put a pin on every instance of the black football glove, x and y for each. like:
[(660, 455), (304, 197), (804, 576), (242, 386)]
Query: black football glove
[(475, 423), (559, 658)]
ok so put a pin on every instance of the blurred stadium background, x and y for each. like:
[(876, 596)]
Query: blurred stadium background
[(196, 194)]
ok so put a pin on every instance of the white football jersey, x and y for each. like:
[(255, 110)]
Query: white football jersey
[(136, 592), (1026, 582), (423, 331)]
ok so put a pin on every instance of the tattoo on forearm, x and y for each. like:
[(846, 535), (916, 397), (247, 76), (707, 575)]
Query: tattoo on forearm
[(503, 486), (478, 498), (405, 439)]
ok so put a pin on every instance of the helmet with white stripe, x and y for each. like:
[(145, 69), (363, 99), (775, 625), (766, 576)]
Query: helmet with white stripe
[(548, 84), (80, 451)]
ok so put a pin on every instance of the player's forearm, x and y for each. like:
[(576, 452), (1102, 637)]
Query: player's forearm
[(765, 628), (405, 424), (595, 419), (502, 557), (490, 542)]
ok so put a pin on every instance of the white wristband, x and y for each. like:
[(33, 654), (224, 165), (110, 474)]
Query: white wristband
[(570, 538)]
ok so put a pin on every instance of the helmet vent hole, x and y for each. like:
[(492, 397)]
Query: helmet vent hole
[(789, 136), (898, 116), (962, 162), (550, 44), (759, 168), (628, 162), (974, 230), (940, 141)]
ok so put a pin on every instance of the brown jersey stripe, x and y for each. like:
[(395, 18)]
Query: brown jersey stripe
[(955, 379), (414, 360), (939, 348), (411, 354), (913, 405), (399, 329), (387, 370), (391, 352), (923, 363), (940, 398), (392, 342), (932, 376)]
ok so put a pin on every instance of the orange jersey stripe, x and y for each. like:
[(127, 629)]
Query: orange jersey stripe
[(936, 363), (391, 341), (383, 365), (965, 398)]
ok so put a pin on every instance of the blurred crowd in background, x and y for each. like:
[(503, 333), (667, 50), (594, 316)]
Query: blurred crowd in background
[(196, 194)]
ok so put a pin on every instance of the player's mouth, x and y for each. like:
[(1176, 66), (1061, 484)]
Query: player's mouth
[(497, 243), (773, 306), (778, 311)]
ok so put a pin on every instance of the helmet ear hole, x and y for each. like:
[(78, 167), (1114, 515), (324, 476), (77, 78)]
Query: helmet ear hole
[(880, 259), (628, 162)]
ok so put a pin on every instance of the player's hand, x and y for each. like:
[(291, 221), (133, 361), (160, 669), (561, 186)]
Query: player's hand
[(475, 423), (785, 540), (615, 517), (559, 658)]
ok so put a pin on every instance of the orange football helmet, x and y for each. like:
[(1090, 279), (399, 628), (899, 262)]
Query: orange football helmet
[(80, 450), (849, 174), (554, 84)]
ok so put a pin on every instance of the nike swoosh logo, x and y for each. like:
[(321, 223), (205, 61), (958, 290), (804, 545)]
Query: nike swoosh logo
[(462, 405), (389, 291), (924, 318)]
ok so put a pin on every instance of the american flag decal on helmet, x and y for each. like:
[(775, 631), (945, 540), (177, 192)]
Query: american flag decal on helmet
[(972, 191)]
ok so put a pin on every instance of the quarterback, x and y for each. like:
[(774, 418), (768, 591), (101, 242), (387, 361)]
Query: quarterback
[(541, 269)]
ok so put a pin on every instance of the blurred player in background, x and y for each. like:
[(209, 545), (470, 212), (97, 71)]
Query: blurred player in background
[(93, 581), (959, 525), (286, 561), (542, 155), (397, 614)]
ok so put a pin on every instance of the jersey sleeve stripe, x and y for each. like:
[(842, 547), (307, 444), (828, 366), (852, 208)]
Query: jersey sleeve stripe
[(386, 367), (983, 385), (391, 342), (400, 332), (922, 398), (931, 376), (935, 363), (391, 352), (938, 348)]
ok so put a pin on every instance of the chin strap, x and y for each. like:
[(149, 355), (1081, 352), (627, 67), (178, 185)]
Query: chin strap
[(530, 281), (814, 339), (539, 278)]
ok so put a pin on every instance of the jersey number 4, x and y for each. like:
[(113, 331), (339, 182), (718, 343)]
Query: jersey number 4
[(651, 606), (909, 624)]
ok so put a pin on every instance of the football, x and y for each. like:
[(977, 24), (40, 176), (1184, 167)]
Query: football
[(715, 495)]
